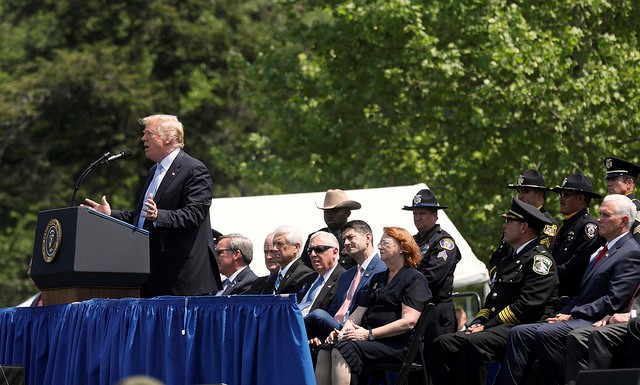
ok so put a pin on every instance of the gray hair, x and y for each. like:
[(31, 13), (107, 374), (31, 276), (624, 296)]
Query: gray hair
[(623, 207), (329, 239), (292, 234), (242, 244)]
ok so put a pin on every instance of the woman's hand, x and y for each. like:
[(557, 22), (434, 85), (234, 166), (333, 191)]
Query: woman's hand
[(357, 333)]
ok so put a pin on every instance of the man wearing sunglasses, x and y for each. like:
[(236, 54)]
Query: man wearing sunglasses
[(578, 236), (321, 288)]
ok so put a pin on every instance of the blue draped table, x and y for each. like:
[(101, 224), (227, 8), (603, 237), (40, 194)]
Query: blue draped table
[(180, 340)]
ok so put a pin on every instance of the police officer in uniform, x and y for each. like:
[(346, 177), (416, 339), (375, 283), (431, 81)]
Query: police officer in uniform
[(577, 237), (524, 290), (621, 179), (439, 258), (531, 188)]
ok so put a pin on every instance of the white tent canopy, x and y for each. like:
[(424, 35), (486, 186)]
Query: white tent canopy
[(257, 216)]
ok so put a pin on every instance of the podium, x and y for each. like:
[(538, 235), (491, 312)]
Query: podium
[(80, 254)]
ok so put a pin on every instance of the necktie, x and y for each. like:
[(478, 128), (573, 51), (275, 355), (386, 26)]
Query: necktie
[(310, 297), (341, 314), (600, 255), (153, 187), (225, 284), (278, 280)]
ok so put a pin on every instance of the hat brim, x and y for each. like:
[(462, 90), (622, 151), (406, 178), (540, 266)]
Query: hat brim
[(351, 205), (437, 207), (559, 189), (517, 186)]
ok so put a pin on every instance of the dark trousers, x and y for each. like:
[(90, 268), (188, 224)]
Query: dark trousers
[(460, 358)]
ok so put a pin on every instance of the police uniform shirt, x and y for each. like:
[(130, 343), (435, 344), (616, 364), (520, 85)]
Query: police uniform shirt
[(524, 289), (439, 258), (577, 239)]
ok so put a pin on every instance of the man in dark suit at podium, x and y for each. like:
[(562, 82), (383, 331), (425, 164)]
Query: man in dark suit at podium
[(175, 210)]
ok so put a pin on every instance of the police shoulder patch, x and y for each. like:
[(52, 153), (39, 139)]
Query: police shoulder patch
[(447, 243), (542, 264), (638, 216), (550, 230), (591, 229)]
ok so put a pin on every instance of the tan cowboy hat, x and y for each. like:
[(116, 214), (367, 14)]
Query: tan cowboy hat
[(337, 199)]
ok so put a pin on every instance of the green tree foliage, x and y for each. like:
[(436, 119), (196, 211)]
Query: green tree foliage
[(306, 95), (75, 78), (462, 95)]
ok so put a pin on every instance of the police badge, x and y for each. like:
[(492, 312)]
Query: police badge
[(608, 163), (591, 229), (542, 264), (51, 240)]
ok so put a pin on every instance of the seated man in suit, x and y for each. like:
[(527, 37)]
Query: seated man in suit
[(323, 286), (607, 287), (287, 241), (603, 345), (269, 262), (358, 242), (234, 253)]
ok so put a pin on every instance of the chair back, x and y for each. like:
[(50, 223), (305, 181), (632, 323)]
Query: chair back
[(415, 345)]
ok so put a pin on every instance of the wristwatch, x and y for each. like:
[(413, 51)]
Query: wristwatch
[(370, 334)]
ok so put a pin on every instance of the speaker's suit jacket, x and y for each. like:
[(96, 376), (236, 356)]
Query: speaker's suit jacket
[(180, 241), (242, 283), (375, 266)]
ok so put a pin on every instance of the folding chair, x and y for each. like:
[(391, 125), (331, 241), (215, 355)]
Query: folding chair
[(416, 347)]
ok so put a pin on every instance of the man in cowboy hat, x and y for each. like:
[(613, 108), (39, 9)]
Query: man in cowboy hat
[(531, 188), (440, 256), (621, 179), (337, 209), (577, 238), (523, 291)]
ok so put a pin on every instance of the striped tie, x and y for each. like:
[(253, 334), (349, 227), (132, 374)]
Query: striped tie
[(278, 280)]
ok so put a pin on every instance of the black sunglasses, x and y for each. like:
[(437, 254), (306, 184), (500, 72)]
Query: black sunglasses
[(319, 249)]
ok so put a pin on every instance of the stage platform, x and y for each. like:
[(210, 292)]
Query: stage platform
[(238, 340)]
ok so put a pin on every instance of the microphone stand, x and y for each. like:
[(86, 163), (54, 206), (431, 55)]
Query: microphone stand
[(85, 173)]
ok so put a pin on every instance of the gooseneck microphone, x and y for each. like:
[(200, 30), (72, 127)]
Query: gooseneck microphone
[(106, 158), (121, 155)]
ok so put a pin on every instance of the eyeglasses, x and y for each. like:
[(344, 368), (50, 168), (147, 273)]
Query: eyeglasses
[(319, 249), (223, 250), (385, 243)]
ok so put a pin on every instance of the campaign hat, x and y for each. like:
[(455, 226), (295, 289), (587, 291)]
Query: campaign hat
[(424, 198), (577, 182), (530, 179)]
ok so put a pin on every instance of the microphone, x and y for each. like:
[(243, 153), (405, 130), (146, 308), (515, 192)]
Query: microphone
[(121, 155), (106, 158)]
